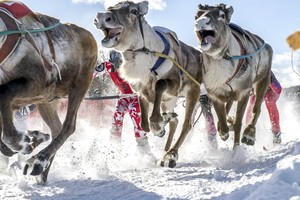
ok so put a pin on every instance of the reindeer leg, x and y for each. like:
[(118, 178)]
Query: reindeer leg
[(156, 119), (223, 128), (171, 156), (230, 119), (172, 128), (49, 114), (144, 105), (14, 140), (241, 107), (3, 148), (260, 91), (40, 162), (44, 175)]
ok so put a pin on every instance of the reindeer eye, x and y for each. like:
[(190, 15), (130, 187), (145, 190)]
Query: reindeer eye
[(222, 16), (134, 11)]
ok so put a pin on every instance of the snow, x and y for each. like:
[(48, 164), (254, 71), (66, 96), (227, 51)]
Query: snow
[(85, 167)]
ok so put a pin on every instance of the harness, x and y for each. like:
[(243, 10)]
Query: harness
[(14, 33), (161, 55), (166, 51), (243, 55), (243, 32), (11, 41)]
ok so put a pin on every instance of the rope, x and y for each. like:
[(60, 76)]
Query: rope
[(248, 55), (10, 32), (198, 117), (58, 70), (158, 54), (292, 62)]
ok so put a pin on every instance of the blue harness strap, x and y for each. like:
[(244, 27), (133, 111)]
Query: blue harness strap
[(166, 51), (243, 32)]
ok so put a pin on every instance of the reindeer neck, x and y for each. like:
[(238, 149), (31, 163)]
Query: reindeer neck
[(151, 40), (234, 47), (230, 48)]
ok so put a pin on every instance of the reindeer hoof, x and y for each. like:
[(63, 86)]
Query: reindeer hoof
[(248, 141), (36, 165), (37, 170), (167, 163), (162, 133), (224, 136), (172, 163)]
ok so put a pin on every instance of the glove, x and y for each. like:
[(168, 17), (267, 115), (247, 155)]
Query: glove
[(204, 99), (100, 67)]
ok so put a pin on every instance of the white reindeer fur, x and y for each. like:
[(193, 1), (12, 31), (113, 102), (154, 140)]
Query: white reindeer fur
[(219, 71), (136, 65)]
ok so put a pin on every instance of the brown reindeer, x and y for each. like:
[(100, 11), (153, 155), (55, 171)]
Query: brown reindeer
[(42, 67), (158, 80), (236, 63)]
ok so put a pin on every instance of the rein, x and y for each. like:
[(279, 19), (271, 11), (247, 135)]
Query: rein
[(161, 55), (10, 32), (246, 55), (158, 54)]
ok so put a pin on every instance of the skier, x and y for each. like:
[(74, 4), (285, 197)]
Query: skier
[(125, 104), (205, 104), (270, 98)]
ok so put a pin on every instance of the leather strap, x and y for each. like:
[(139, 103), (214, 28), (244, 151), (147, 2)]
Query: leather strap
[(11, 40)]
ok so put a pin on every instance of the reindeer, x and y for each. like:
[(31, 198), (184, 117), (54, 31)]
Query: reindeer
[(236, 63), (160, 68), (46, 60)]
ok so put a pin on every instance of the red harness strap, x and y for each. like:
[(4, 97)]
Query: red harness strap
[(12, 40), (17, 9)]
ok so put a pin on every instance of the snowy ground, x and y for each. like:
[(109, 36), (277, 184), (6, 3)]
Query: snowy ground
[(84, 169)]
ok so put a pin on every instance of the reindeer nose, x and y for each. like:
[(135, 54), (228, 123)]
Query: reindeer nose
[(202, 22), (96, 20)]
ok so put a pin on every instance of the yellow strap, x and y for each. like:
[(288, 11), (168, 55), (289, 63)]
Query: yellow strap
[(158, 54)]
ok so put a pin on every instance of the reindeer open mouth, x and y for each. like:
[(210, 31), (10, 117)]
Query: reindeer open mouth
[(206, 36), (111, 34)]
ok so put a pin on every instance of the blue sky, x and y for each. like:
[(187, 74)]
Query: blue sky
[(270, 19)]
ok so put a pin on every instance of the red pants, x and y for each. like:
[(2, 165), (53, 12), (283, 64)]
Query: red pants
[(270, 98), (130, 105)]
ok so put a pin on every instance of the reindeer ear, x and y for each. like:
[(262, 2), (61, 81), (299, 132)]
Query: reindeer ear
[(200, 6), (143, 7), (229, 11)]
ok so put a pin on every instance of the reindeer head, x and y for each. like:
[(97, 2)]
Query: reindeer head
[(120, 24), (211, 26)]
